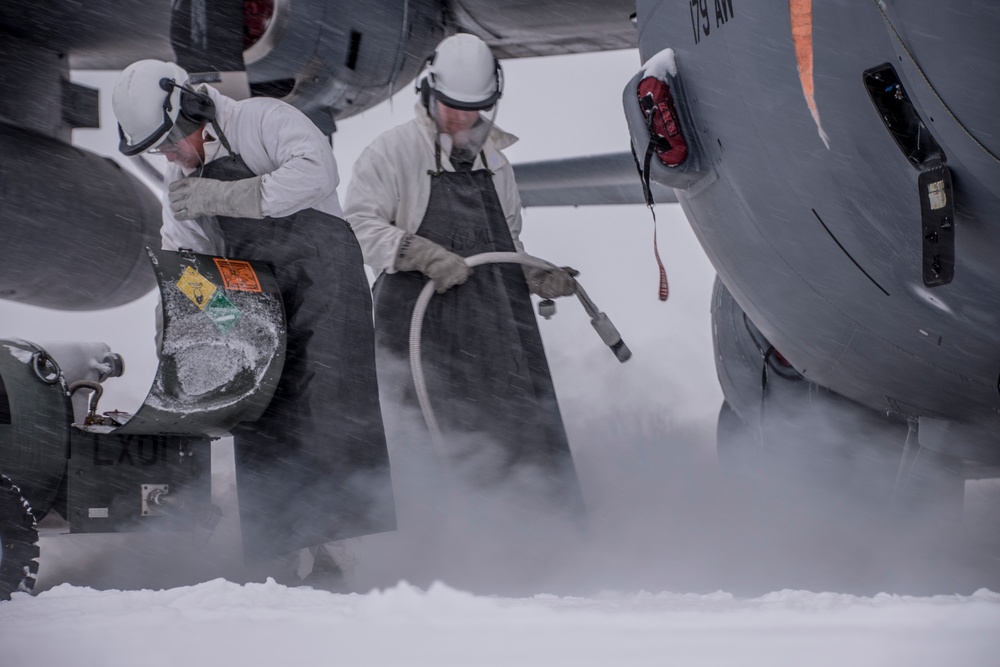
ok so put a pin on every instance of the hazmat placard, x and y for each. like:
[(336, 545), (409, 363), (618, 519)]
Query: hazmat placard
[(223, 313), (237, 275), (196, 287)]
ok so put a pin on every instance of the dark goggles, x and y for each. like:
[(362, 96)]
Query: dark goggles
[(484, 105), (171, 142)]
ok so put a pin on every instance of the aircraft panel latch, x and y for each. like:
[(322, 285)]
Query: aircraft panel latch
[(937, 222)]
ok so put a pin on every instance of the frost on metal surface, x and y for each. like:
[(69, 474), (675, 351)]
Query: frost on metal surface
[(222, 347), (203, 368), (22, 355)]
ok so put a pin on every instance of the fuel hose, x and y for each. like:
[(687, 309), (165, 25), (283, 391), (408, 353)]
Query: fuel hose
[(607, 331)]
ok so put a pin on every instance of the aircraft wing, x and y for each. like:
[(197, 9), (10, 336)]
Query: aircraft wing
[(586, 181), (97, 34), (524, 28)]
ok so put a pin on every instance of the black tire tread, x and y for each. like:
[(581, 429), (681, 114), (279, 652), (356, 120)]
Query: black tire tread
[(18, 541)]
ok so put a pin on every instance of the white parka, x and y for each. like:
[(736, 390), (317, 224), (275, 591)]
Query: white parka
[(278, 142), (390, 187)]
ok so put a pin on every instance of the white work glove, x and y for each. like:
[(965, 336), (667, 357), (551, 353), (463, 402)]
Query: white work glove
[(442, 266), (551, 283), (192, 198)]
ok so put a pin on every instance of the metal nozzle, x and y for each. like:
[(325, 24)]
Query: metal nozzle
[(621, 351), (605, 329), (609, 334)]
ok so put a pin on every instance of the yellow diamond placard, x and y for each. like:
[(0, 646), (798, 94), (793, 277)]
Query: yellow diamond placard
[(196, 287)]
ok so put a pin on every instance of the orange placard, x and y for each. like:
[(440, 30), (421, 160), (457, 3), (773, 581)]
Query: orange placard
[(237, 275)]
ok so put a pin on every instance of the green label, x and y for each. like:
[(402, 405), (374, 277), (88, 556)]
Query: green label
[(223, 313)]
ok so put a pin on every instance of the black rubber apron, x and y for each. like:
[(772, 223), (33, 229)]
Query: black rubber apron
[(482, 353), (314, 467)]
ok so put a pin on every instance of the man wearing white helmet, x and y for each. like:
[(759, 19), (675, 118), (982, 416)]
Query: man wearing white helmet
[(292, 163), (255, 179), (424, 196)]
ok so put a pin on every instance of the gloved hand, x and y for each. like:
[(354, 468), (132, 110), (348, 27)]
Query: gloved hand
[(195, 197), (442, 266), (551, 283)]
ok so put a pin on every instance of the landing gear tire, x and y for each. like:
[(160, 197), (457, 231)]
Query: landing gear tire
[(18, 541)]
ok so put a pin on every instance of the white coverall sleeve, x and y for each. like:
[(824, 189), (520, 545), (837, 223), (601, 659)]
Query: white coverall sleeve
[(371, 206), (307, 171)]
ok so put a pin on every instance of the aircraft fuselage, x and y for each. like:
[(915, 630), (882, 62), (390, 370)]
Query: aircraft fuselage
[(823, 245)]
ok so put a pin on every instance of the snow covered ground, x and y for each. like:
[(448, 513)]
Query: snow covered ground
[(262, 625), (488, 585)]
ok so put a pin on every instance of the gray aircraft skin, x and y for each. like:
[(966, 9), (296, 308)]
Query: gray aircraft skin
[(849, 224), (817, 219)]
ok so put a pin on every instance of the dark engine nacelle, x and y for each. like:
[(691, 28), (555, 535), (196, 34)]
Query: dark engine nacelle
[(335, 59), (74, 226)]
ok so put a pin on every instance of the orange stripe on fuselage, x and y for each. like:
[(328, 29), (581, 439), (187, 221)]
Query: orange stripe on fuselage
[(801, 14)]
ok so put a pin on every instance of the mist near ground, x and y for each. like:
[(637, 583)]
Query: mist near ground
[(662, 518)]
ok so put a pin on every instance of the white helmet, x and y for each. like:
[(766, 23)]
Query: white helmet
[(464, 74), (147, 101)]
